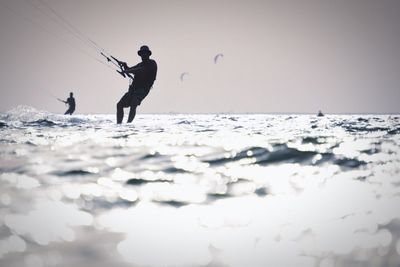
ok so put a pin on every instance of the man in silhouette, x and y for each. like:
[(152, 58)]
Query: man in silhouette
[(71, 104), (144, 76)]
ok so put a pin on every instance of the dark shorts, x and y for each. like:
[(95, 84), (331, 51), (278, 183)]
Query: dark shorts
[(70, 110), (133, 98)]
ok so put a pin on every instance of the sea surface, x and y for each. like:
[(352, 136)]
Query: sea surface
[(212, 190)]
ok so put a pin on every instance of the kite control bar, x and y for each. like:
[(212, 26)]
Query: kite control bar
[(61, 100), (121, 65)]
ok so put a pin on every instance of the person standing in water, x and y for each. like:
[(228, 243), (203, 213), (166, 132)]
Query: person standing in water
[(144, 76), (71, 104)]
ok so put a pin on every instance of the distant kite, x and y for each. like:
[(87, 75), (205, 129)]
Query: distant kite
[(217, 57), (183, 75)]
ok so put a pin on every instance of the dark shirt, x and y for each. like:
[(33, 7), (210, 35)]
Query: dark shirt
[(71, 102), (145, 77)]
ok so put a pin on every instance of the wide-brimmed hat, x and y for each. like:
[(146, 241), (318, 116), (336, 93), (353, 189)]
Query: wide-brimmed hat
[(144, 49)]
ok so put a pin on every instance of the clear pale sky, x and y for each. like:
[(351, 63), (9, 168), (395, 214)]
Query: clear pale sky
[(284, 56)]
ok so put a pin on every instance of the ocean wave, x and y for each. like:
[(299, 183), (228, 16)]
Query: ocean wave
[(205, 130), (141, 181), (30, 116), (174, 170), (77, 172), (282, 153), (24, 113), (368, 124), (186, 122), (394, 131), (151, 156), (41, 122), (313, 140), (349, 163), (358, 129), (222, 159)]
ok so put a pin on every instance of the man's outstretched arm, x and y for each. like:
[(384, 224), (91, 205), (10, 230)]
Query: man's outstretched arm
[(62, 101), (132, 70)]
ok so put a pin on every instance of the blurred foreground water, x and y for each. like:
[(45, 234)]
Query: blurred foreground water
[(210, 190)]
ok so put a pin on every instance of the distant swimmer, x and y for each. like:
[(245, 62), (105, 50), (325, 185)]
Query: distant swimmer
[(144, 76), (320, 114), (71, 104)]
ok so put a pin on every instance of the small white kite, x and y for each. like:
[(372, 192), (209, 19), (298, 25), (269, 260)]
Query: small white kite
[(184, 75), (217, 57)]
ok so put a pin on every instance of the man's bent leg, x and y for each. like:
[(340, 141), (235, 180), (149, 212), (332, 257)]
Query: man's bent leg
[(124, 102), (132, 113)]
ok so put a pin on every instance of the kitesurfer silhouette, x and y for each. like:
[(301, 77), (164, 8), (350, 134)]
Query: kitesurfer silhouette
[(71, 104), (144, 76)]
